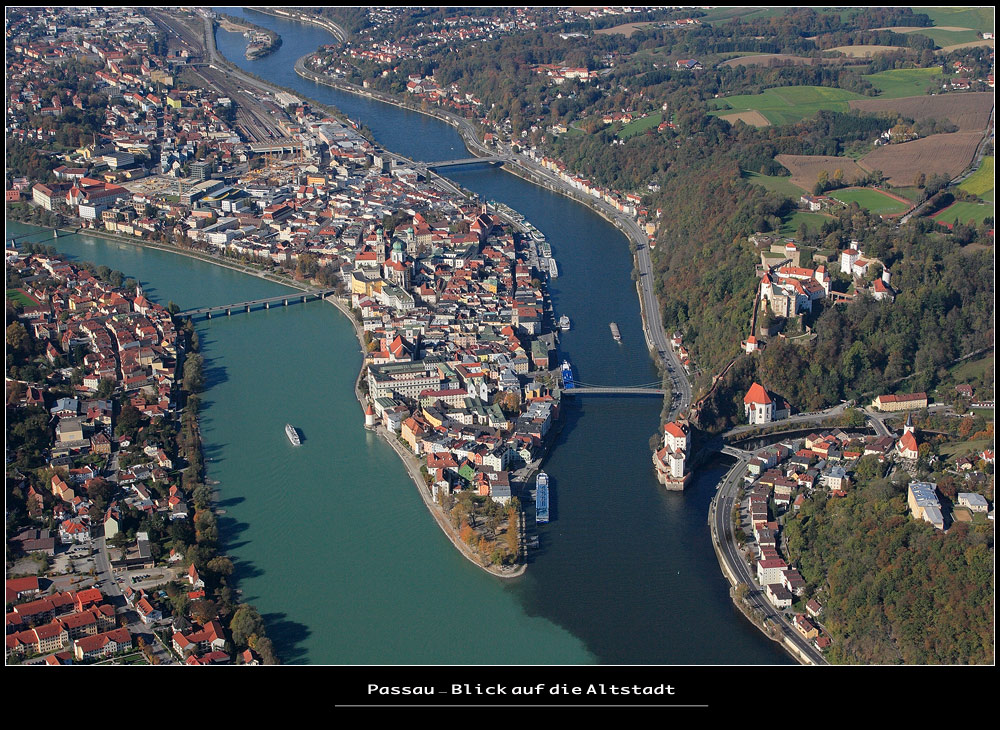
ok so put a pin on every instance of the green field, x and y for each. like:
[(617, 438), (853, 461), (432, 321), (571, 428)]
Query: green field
[(897, 83), (775, 183), (638, 126), (961, 448), (724, 13), (814, 222), (971, 369), (787, 104), (965, 212), (790, 104), (981, 181), (910, 193), (871, 200), (16, 295), (948, 37), (978, 18)]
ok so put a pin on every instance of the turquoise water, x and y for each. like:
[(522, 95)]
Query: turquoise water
[(330, 539)]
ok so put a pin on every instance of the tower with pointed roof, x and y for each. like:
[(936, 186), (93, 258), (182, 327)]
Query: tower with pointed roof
[(907, 447)]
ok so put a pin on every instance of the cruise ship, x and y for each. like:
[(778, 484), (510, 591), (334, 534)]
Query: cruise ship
[(292, 434), (542, 497), (567, 375)]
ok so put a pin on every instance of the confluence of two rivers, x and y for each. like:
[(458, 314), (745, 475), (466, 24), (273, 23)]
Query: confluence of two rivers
[(331, 541)]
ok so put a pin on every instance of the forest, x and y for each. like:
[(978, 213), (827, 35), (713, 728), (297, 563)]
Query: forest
[(894, 589)]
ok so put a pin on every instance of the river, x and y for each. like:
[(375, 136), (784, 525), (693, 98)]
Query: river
[(332, 542)]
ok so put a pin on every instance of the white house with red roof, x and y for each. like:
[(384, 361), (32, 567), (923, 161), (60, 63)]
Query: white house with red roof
[(209, 637), (669, 461), (761, 406), (193, 577), (101, 645)]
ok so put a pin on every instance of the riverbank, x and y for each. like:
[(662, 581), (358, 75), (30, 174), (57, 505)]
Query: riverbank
[(328, 25), (171, 248)]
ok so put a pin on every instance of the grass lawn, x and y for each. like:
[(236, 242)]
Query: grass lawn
[(871, 200), (966, 371), (960, 448), (910, 193), (978, 18), (16, 295), (814, 222), (776, 183), (787, 104), (897, 83), (638, 126), (965, 212), (981, 181)]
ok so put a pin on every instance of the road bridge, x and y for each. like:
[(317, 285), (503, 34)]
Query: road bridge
[(464, 161), (738, 453), (612, 390), (284, 299)]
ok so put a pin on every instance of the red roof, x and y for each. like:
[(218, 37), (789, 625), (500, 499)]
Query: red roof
[(757, 394)]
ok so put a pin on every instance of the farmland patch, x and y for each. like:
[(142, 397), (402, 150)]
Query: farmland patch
[(945, 154), (873, 201), (753, 118), (981, 182), (805, 169), (970, 111)]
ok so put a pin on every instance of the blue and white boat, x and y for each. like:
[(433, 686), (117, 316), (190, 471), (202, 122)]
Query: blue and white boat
[(542, 497), (567, 375)]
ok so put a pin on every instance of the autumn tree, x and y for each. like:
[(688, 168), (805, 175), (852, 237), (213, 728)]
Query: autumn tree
[(246, 622)]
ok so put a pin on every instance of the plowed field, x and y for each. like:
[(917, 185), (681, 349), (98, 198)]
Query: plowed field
[(805, 169), (946, 154), (969, 110)]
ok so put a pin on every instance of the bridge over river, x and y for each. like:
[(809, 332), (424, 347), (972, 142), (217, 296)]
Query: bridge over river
[(464, 161), (283, 299), (613, 390)]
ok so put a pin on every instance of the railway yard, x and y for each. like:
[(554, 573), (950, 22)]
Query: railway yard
[(257, 119)]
